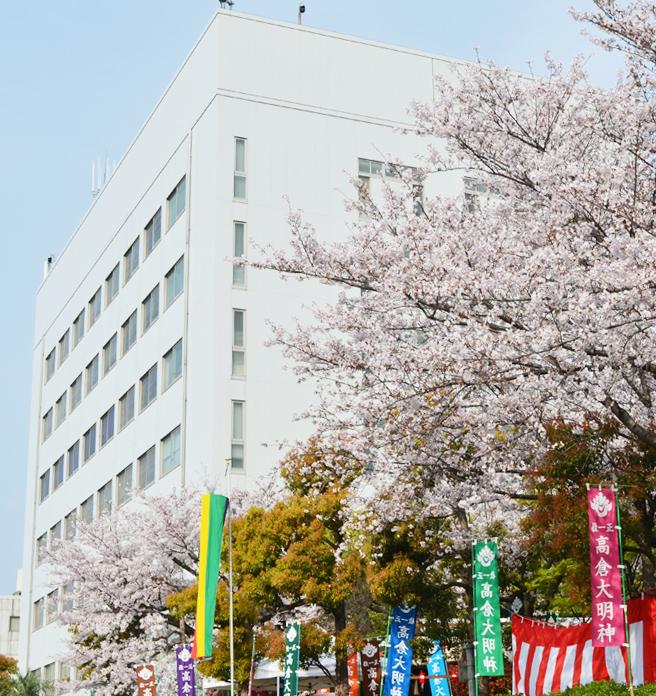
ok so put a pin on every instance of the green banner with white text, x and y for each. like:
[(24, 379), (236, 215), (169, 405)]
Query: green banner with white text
[(292, 658), (487, 612)]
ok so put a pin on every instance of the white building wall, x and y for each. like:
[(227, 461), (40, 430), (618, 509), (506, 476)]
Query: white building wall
[(309, 104)]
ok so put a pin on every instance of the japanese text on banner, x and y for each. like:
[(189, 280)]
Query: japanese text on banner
[(436, 667), (487, 612), (399, 659), (292, 658), (605, 575), (184, 667), (146, 682), (370, 663)]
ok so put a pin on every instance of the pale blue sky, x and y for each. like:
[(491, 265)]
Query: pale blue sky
[(78, 79)]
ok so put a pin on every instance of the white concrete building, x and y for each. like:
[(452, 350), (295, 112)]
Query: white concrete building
[(150, 366)]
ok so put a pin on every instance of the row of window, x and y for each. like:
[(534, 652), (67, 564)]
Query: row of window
[(116, 492), (71, 398), (83, 449), (47, 609), (52, 672), (238, 408), (147, 241)]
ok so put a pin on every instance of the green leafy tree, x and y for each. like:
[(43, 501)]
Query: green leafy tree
[(28, 684), (8, 670)]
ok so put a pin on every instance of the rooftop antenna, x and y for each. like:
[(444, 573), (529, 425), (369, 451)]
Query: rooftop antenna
[(301, 12), (100, 173)]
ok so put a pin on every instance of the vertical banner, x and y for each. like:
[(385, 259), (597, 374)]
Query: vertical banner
[(436, 667), (607, 612), (487, 611), (184, 668), (146, 682), (370, 664), (352, 667), (212, 518), (399, 652), (292, 658)]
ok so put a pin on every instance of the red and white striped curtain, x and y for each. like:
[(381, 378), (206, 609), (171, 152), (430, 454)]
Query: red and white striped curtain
[(548, 660)]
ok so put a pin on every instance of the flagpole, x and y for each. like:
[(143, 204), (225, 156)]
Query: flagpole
[(624, 598), (383, 674), (230, 600), (473, 567)]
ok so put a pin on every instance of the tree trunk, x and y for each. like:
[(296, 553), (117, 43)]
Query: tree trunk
[(341, 667)]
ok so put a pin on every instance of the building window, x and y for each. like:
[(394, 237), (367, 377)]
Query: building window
[(76, 392), (86, 510), (171, 451), (44, 485), (111, 285), (90, 443), (49, 673), (126, 408), (107, 426), (41, 548), (58, 473), (238, 343), (38, 614), (14, 624), (390, 170), (73, 458), (149, 387), (174, 281), (60, 410), (52, 609), (47, 424), (105, 499), (129, 332), (50, 364), (147, 468), (55, 534), (239, 252), (153, 232), (124, 485), (172, 364), (110, 351), (150, 309), (64, 347), (176, 202), (237, 448), (239, 181), (70, 525), (78, 328), (131, 261), (91, 372), (95, 307)]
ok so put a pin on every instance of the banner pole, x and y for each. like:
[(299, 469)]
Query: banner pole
[(230, 585), (473, 567), (383, 669), (624, 597)]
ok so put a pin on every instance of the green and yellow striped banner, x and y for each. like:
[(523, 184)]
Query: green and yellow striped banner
[(212, 518)]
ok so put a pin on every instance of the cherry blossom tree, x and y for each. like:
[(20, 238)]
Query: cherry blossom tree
[(463, 324), (118, 571)]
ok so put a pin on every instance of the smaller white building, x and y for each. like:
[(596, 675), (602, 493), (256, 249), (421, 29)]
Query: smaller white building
[(10, 621)]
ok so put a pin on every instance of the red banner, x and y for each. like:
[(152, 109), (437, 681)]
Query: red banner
[(370, 663), (607, 612), (353, 681), (146, 682)]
